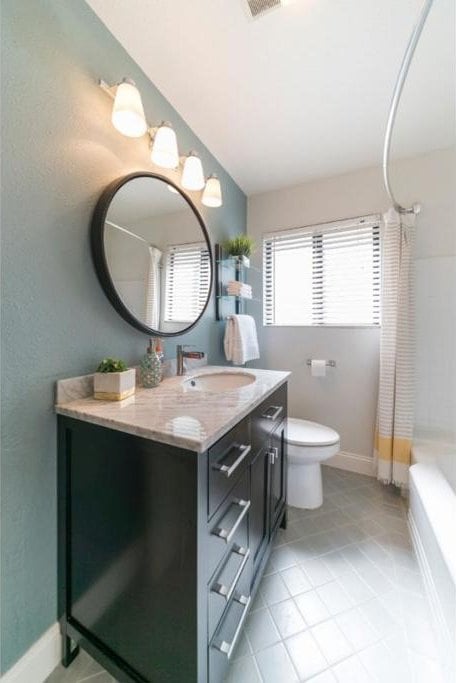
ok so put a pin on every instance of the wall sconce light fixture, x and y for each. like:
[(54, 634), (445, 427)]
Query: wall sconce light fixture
[(127, 111), (212, 194), (193, 174), (129, 119), (164, 146)]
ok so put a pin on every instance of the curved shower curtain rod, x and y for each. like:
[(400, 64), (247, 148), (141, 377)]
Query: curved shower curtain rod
[(403, 71)]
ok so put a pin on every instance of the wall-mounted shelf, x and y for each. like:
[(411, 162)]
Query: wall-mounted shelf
[(235, 296), (229, 268), (234, 262)]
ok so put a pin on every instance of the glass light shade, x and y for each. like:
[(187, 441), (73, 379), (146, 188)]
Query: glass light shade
[(212, 195), (193, 175), (128, 113), (164, 147), (172, 189)]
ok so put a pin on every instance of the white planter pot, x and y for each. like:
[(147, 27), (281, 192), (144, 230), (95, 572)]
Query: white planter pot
[(114, 386)]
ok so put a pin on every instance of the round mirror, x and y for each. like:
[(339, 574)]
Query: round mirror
[(152, 254)]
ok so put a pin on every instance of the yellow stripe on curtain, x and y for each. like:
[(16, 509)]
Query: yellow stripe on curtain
[(393, 439), (390, 448)]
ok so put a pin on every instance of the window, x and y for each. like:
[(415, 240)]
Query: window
[(187, 282), (323, 275)]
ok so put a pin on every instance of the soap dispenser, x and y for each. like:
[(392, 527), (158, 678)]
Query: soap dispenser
[(151, 366)]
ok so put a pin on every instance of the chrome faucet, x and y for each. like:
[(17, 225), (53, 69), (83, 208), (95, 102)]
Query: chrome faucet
[(181, 354)]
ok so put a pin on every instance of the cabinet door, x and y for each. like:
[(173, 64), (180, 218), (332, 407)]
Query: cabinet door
[(259, 511), (278, 458)]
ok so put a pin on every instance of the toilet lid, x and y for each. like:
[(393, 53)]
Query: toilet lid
[(306, 433)]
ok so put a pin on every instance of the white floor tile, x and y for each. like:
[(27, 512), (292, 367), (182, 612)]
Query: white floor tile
[(261, 630), (283, 557), (273, 589), (312, 608), (275, 665), (335, 597), (317, 571), (306, 655), (357, 629), (243, 671), (351, 671), (378, 617), (383, 667), (357, 589), (287, 618), (425, 670), (336, 563), (295, 580), (325, 677), (331, 641)]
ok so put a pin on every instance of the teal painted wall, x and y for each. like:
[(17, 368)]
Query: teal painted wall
[(59, 152)]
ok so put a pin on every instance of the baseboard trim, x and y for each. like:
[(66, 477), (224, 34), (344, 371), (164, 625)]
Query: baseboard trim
[(352, 462), (39, 661)]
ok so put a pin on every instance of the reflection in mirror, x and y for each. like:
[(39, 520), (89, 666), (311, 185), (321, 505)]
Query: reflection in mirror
[(157, 255)]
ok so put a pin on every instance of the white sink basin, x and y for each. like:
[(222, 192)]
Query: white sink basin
[(218, 381)]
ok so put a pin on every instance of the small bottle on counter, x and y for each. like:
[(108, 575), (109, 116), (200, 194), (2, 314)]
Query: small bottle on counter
[(150, 367)]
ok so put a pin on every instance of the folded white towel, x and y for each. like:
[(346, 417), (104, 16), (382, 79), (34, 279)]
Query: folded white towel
[(239, 289), (241, 341)]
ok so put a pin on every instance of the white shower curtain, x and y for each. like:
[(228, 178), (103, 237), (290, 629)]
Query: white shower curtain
[(393, 438), (152, 314)]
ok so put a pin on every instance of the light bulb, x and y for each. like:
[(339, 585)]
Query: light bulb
[(164, 147), (127, 112), (192, 175), (212, 195)]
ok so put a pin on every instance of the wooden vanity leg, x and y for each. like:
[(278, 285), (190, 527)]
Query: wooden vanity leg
[(283, 523), (68, 654)]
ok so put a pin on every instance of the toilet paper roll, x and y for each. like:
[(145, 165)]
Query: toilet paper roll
[(318, 368)]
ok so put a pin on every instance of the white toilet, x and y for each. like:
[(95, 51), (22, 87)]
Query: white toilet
[(309, 444)]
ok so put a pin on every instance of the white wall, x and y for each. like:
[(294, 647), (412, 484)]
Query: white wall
[(346, 398)]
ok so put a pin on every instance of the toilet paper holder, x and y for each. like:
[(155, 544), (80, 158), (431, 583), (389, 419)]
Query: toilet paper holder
[(329, 363)]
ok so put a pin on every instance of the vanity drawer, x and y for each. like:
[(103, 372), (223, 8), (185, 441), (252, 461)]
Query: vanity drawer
[(267, 416), (229, 526), (233, 576), (228, 459), (227, 635)]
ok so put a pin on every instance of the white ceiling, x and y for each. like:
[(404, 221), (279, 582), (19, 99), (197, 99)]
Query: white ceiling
[(303, 91)]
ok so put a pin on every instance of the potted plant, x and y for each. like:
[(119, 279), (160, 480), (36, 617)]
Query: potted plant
[(113, 381), (241, 247)]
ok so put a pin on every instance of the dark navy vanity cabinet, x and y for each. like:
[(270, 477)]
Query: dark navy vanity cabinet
[(161, 549)]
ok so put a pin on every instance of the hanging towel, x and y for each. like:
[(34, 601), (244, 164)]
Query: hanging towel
[(241, 341)]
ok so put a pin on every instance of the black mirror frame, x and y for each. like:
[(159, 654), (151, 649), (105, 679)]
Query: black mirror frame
[(99, 255)]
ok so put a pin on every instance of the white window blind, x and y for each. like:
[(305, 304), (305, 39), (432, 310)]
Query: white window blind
[(323, 275), (187, 281)]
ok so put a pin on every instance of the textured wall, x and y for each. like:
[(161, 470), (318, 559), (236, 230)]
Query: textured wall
[(59, 152), (346, 399)]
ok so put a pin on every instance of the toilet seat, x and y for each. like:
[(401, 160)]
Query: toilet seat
[(307, 433)]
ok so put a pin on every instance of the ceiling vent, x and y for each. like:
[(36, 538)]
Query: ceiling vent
[(258, 7)]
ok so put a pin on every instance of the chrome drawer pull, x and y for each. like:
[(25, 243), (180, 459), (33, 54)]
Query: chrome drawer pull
[(227, 534), (223, 590), (228, 470), (273, 455), (228, 648), (275, 414)]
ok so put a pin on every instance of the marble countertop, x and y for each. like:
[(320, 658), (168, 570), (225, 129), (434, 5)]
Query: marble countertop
[(193, 420)]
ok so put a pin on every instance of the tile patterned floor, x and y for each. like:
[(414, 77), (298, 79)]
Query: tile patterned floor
[(341, 601)]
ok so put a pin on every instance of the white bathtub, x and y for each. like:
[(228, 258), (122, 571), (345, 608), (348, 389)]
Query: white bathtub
[(432, 518)]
